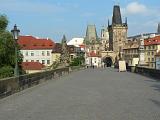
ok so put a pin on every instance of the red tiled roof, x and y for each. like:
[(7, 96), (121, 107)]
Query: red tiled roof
[(32, 66), (152, 41), (32, 43)]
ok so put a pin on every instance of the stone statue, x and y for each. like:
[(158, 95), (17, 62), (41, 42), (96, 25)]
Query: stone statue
[(64, 52)]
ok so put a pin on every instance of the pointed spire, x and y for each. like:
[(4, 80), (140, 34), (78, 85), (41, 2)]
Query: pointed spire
[(158, 30), (108, 22), (64, 40), (91, 32), (126, 21), (116, 18)]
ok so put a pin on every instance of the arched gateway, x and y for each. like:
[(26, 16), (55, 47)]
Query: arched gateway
[(108, 61), (108, 58)]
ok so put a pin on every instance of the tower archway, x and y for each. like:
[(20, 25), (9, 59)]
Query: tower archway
[(108, 61)]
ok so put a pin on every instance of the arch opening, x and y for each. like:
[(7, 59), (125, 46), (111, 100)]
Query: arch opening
[(108, 61)]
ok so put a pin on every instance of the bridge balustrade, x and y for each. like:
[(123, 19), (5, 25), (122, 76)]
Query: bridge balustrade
[(12, 85)]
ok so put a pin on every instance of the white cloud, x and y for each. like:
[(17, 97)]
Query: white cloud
[(135, 8)]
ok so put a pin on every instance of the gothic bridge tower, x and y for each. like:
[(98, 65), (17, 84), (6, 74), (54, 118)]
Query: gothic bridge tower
[(117, 31)]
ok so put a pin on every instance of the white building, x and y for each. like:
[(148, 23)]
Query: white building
[(77, 42), (93, 59), (36, 50)]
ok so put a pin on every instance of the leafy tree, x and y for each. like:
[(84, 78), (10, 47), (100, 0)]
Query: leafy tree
[(3, 22), (77, 61), (6, 71), (7, 50)]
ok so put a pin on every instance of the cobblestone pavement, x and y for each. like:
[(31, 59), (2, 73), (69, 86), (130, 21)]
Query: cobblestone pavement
[(91, 94)]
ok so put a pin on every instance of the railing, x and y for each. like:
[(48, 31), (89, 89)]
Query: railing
[(148, 72), (12, 85), (145, 71)]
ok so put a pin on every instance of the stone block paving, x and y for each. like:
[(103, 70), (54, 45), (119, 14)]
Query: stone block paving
[(90, 94)]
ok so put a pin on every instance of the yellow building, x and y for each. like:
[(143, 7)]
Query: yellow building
[(56, 53), (152, 47)]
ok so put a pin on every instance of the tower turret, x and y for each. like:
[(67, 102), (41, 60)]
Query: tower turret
[(116, 18)]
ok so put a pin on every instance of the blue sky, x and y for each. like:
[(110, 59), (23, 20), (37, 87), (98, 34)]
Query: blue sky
[(53, 18)]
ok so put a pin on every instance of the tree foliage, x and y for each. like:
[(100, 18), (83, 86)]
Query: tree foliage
[(3, 22), (6, 71), (7, 49), (77, 61)]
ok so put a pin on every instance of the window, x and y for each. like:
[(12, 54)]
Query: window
[(149, 47), (43, 53), (71, 57), (152, 53), (26, 60), (32, 60), (148, 59), (148, 53), (37, 60), (43, 61), (48, 61), (153, 47), (152, 64), (32, 53), (48, 53), (26, 53), (152, 59)]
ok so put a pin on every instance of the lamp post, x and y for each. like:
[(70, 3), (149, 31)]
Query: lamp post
[(15, 32)]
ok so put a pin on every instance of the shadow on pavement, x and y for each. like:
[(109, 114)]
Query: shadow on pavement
[(156, 102)]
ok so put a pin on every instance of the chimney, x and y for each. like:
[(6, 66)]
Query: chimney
[(116, 18)]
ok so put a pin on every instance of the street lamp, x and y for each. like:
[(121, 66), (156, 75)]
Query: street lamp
[(15, 33)]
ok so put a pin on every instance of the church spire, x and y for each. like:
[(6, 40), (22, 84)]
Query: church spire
[(126, 21), (116, 18), (158, 30), (108, 22)]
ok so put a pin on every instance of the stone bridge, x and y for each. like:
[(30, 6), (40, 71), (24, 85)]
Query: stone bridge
[(90, 94)]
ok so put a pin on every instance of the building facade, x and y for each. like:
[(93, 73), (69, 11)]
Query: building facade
[(131, 52), (36, 50), (92, 45), (117, 31), (104, 39), (152, 47)]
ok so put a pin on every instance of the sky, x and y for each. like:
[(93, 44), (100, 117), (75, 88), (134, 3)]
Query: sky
[(53, 18)]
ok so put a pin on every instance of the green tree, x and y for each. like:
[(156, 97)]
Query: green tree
[(7, 49), (77, 61)]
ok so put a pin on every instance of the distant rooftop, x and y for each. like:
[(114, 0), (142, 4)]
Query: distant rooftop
[(32, 43)]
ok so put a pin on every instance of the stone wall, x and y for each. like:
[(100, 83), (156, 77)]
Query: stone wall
[(146, 71), (12, 85)]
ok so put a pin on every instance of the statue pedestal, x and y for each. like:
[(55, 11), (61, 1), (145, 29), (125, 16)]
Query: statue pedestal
[(122, 66)]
